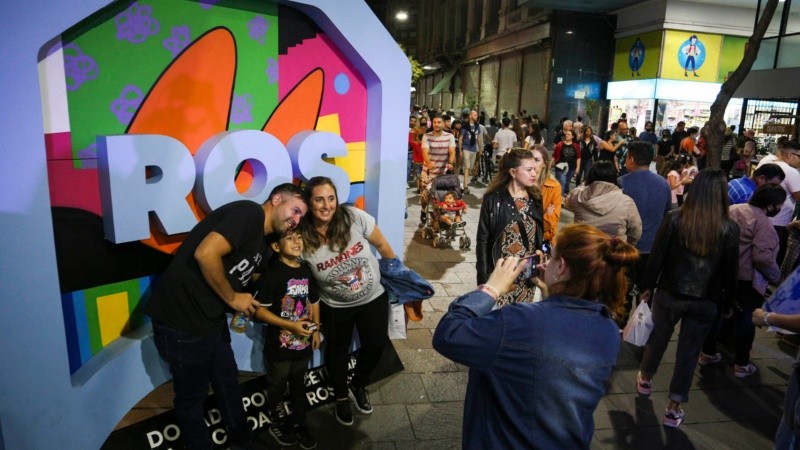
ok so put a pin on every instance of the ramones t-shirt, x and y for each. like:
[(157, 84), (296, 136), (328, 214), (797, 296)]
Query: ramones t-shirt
[(350, 277), (288, 292), (183, 299)]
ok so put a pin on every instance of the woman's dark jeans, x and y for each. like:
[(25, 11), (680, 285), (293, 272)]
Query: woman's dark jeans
[(696, 317), (372, 322)]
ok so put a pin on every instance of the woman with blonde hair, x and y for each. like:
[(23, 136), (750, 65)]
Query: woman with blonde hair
[(533, 383), (551, 196)]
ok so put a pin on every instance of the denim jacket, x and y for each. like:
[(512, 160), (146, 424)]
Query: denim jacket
[(533, 381), (402, 284)]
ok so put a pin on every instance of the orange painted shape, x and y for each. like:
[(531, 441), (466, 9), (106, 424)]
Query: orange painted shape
[(299, 109), (190, 102)]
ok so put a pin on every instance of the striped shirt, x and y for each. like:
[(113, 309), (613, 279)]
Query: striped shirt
[(438, 150)]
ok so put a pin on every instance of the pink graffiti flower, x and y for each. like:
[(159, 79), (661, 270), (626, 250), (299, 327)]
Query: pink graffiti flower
[(78, 67), (272, 70), (135, 24), (207, 4), (241, 108), (258, 27), (126, 105), (178, 40)]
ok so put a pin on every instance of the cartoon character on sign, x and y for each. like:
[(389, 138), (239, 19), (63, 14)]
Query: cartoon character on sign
[(636, 57), (692, 53), (352, 279)]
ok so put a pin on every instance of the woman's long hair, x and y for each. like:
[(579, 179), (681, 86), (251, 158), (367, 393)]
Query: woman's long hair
[(546, 171), (535, 134), (338, 233), (704, 212), (596, 264), (511, 160)]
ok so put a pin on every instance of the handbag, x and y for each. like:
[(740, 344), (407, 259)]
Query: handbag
[(639, 326)]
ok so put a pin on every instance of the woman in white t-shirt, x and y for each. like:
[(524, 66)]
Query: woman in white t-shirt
[(534, 139), (337, 241)]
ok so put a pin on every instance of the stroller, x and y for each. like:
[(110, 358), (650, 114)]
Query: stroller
[(434, 227)]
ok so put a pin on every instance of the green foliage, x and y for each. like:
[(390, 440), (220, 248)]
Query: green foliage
[(416, 67)]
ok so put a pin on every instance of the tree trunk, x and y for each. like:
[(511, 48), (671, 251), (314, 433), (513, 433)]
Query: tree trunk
[(715, 127)]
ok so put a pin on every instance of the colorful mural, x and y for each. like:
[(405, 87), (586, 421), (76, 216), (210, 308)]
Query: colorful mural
[(187, 70), (638, 56), (691, 56)]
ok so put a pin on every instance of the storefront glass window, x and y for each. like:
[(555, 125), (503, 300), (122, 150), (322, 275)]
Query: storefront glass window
[(760, 112), (766, 55), (789, 55)]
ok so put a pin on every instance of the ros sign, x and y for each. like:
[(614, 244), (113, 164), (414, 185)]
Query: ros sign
[(127, 195)]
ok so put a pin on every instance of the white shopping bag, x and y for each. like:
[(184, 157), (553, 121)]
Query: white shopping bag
[(397, 321), (639, 326)]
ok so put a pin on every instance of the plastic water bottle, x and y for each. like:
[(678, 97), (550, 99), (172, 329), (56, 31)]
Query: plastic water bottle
[(239, 322)]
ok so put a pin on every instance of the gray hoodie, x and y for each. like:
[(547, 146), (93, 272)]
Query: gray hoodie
[(606, 207)]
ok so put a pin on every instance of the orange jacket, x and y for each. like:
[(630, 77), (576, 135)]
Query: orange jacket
[(551, 195)]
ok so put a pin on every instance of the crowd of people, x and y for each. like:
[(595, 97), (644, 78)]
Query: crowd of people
[(652, 224)]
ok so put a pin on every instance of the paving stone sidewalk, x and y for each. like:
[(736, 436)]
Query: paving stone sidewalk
[(421, 407)]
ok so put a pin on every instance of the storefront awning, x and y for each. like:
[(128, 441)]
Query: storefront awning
[(444, 82)]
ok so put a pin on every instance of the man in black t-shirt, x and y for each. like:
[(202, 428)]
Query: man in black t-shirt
[(208, 277)]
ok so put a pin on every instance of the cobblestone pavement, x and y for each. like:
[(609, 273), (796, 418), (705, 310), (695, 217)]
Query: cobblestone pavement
[(421, 407)]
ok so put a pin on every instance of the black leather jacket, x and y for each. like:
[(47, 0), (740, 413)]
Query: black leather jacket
[(497, 210), (688, 276)]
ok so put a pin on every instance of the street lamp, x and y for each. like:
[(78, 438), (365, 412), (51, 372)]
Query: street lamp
[(401, 15)]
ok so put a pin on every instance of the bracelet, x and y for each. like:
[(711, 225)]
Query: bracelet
[(491, 290), (766, 321)]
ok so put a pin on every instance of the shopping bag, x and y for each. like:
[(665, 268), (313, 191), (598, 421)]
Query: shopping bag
[(639, 326), (397, 321)]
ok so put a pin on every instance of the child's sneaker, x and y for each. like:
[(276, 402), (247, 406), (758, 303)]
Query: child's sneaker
[(283, 434), (744, 371), (708, 359), (343, 412), (304, 438), (673, 418), (643, 387)]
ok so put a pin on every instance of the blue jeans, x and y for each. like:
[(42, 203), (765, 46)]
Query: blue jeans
[(564, 177), (696, 317), (194, 361)]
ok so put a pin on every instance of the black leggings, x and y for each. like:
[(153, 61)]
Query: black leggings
[(372, 322)]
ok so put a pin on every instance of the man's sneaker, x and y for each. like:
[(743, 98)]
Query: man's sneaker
[(360, 397), (304, 437), (283, 434), (744, 371), (672, 418), (466, 190), (343, 413), (708, 359), (643, 387), (473, 179)]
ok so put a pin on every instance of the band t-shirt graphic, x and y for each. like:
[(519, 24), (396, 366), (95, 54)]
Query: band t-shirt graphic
[(288, 292), (348, 277)]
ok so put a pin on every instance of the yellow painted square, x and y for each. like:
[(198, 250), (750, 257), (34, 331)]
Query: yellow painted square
[(113, 315), (675, 43), (647, 47)]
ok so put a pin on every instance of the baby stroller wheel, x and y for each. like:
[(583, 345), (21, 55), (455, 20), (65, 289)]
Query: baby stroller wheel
[(461, 242), (467, 242)]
